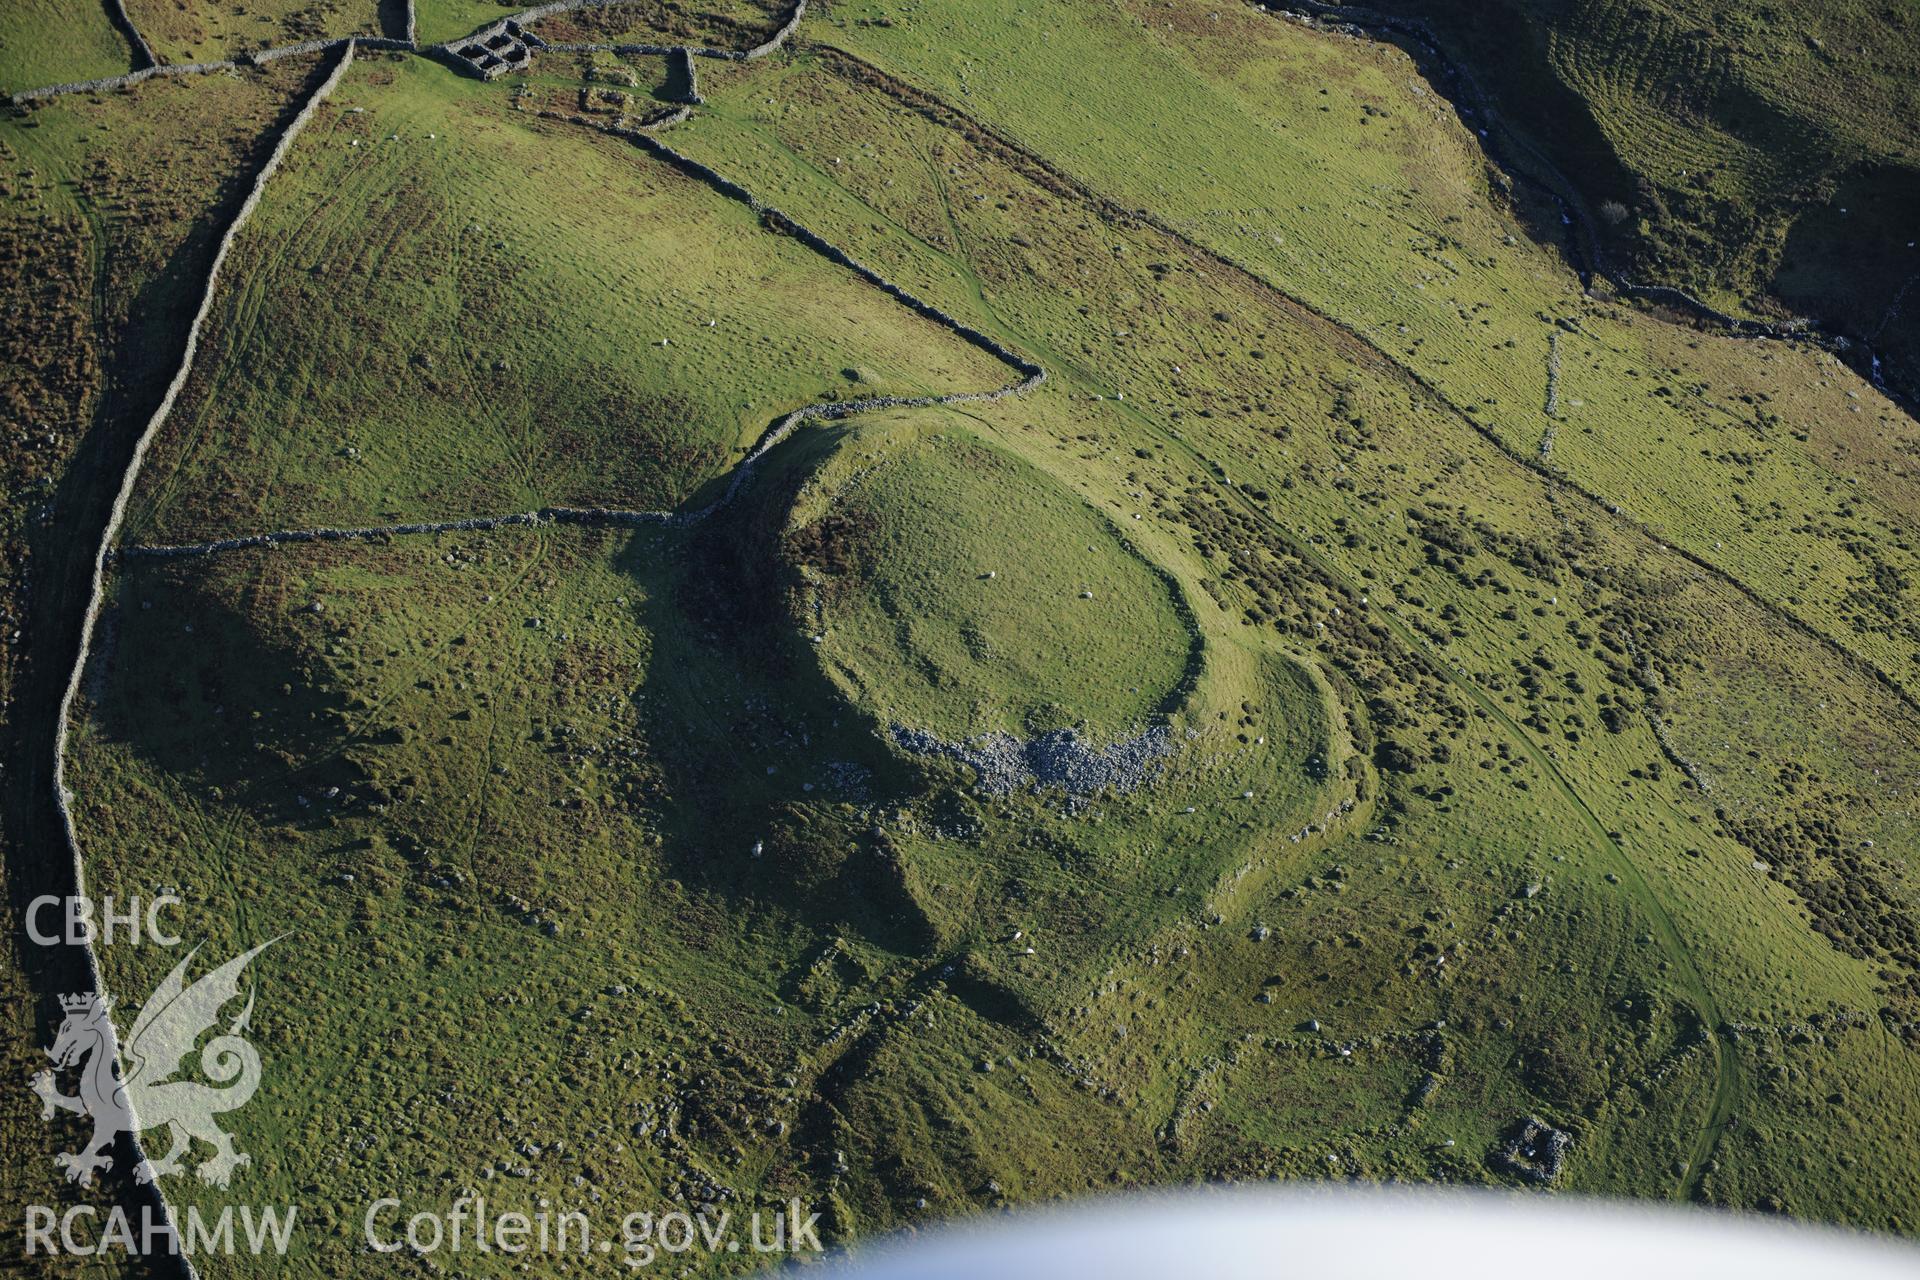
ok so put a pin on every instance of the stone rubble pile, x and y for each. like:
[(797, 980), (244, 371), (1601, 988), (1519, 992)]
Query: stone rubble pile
[(1059, 758)]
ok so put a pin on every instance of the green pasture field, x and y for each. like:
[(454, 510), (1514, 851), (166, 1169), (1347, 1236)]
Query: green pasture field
[(545, 316), (44, 42), (209, 32), (1538, 671), (956, 593)]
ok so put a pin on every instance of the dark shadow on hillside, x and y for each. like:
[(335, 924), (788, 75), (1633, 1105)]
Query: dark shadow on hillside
[(772, 782), (186, 679), (1848, 258), (1494, 58), (135, 366)]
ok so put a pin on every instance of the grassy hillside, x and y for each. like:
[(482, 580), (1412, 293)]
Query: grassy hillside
[(1653, 627), (730, 24), (1765, 159), (412, 334), (954, 590), (1493, 704), (50, 42), (1395, 228), (199, 31), (684, 904), (107, 235)]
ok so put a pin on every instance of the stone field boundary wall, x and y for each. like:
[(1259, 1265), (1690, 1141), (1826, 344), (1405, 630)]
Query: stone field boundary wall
[(117, 514)]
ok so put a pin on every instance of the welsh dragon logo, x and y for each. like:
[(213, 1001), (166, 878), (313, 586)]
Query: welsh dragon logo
[(146, 1096)]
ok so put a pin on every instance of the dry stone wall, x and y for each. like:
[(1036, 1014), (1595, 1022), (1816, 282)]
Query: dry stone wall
[(117, 514), (143, 55), (259, 58), (1031, 376), (770, 45)]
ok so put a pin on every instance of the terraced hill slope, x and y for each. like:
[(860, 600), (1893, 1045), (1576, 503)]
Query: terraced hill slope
[(1023, 599), (1768, 162)]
